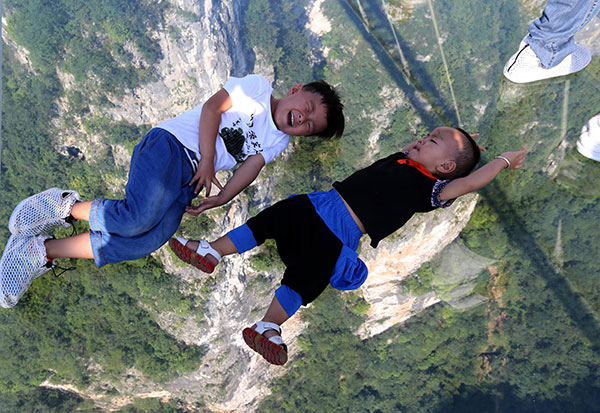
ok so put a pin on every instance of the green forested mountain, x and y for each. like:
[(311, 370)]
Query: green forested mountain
[(533, 345)]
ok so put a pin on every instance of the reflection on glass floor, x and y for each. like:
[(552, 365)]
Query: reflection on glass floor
[(520, 285), (451, 57)]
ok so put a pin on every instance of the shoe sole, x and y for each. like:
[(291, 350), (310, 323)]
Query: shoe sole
[(190, 257), (273, 353)]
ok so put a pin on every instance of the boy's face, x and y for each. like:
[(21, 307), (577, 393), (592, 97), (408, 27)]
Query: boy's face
[(436, 150), (300, 113)]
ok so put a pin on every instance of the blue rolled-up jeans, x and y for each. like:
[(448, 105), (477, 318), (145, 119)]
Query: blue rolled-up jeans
[(156, 195), (551, 36)]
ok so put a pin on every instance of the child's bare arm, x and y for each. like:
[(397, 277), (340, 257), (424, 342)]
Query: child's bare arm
[(210, 118), (482, 176), (242, 177)]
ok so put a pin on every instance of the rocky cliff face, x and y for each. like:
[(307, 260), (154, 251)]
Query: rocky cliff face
[(417, 242), (199, 54), (201, 47), (197, 61), (233, 378)]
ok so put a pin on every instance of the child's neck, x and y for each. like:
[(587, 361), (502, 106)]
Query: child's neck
[(274, 103)]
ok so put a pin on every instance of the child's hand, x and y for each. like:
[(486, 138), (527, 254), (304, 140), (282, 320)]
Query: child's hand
[(206, 203), (205, 176), (517, 159)]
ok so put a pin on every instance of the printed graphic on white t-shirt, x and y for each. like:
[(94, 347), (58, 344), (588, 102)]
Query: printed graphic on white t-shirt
[(240, 143)]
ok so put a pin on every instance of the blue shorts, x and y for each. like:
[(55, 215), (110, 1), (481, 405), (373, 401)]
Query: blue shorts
[(349, 272), (316, 239)]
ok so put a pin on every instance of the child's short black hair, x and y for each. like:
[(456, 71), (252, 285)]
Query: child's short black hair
[(467, 159), (335, 108)]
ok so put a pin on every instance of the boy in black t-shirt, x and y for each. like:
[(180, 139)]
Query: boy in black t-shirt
[(317, 234)]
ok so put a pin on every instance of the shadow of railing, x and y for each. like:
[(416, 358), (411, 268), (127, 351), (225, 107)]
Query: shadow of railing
[(417, 74), (575, 306), (432, 118)]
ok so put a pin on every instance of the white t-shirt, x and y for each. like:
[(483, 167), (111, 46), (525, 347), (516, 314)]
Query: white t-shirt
[(247, 128)]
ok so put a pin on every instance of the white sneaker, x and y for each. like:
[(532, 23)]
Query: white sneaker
[(589, 142), (43, 212), (524, 66), (24, 259)]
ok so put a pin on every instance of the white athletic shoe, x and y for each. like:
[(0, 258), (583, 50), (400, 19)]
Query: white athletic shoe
[(43, 212), (589, 142), (24, 260), (524, 66)]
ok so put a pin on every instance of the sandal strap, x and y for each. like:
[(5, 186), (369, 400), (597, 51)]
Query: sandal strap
[(203, 249), (182, 240), (262, 326), (277, 340)]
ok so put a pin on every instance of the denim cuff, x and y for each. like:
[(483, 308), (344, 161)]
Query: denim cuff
[(93, 220), (96, 242), (243, 238)]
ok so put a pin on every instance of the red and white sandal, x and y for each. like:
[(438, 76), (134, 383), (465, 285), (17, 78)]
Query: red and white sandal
[(196, 258), (273, 349)]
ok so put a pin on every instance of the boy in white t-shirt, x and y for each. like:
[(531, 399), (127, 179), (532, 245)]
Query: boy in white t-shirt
[(242, 124)]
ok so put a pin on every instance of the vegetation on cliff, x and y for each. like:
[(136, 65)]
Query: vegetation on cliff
[(533, 345)]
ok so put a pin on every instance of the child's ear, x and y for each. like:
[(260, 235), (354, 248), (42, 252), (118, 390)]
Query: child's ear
[(295, 89), (446, 167)]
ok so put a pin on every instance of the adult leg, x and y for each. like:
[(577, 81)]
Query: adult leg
[(551, 36), (549, 49)]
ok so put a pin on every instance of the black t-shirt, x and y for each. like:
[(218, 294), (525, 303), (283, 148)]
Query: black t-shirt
[(386, 194)]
